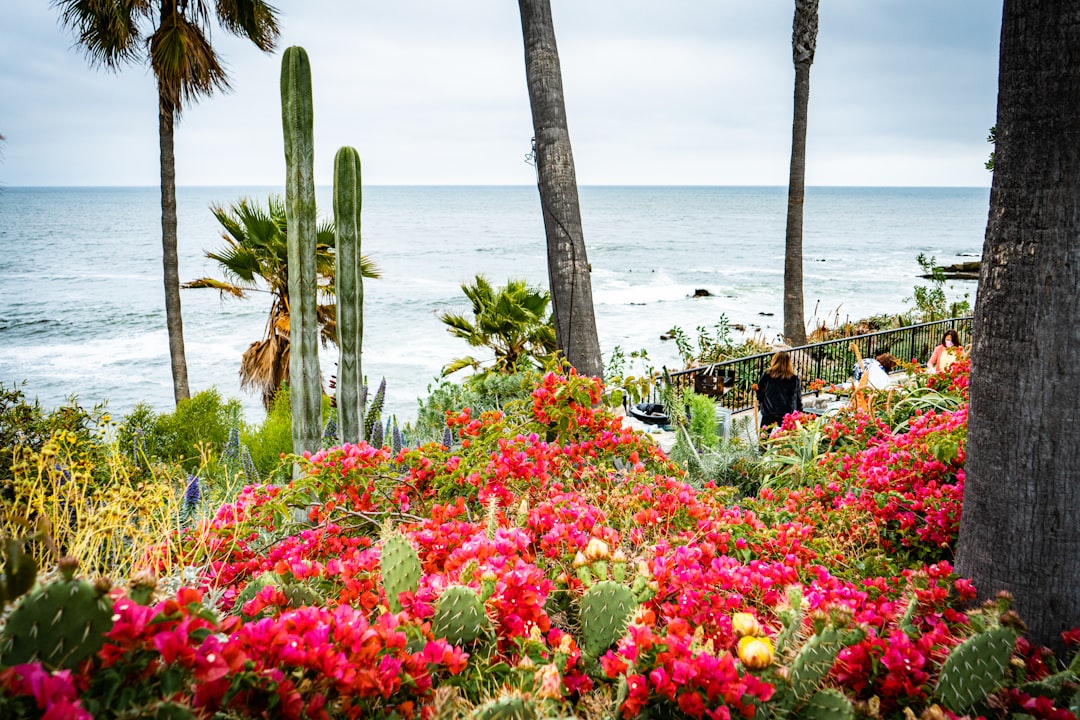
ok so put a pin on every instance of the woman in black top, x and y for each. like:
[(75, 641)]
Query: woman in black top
[(779, 390)]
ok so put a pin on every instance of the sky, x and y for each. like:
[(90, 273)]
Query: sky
[(433, 92)]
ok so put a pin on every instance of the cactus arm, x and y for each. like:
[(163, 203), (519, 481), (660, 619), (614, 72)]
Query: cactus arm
[(297, 123), (350, 291)]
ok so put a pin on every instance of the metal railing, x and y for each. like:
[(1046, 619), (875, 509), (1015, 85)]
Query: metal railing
[(730, 382)]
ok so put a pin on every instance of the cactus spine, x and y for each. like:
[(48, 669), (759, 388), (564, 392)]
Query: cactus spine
[(606, 608), (61, 624), (827, 704), (459, 615), (400, 566), (975, 668), (350, 291), (297, 122)]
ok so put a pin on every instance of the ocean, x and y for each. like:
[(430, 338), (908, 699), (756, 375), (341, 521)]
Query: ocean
[(82, 306)]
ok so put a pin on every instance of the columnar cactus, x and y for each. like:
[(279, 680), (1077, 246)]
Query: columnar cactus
[(59, 624), (304, 378), (400, 566), (459, 616), (350, 292)]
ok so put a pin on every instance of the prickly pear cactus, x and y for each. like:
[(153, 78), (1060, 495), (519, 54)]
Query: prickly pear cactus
[(61, 624), (791, 619), (605, 612), (509, 707), (400, 567), (816, 658), (975, 668), (20, 571), (459, 616), (828, 704)]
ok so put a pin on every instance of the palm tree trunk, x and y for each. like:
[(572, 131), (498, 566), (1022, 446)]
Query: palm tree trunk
[(794, 303), (173, 319), (568, 265), (1019, 529), (803, 46)]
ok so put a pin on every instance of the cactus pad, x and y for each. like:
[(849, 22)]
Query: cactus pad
[(510, 707), (975, 668), (816, 658), (459, 615), (828, 704), (60, 624), (606, 608), (400, 567)]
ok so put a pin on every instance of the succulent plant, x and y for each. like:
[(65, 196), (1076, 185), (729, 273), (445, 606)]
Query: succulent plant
[(816, 657), (20, 572), (400, 566), (605, 612), (975, 668), (459, 616), (827, 704), (350, 291), (508, 707), (59, 624), (297, 117)]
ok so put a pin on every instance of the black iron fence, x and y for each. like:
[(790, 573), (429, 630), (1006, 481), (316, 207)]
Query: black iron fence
[(731, 382)]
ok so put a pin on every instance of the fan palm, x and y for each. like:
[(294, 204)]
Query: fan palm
[(513, 321), (256, 259), (172, 36)]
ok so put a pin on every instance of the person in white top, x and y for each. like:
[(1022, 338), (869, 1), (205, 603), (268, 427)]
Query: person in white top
[(877, 369)]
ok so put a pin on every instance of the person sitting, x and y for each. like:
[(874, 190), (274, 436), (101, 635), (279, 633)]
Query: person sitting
[(779, 390), (876, 369), (946, 353)]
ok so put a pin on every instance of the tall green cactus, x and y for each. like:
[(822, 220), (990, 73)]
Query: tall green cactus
[(297, 121), (349, 284)]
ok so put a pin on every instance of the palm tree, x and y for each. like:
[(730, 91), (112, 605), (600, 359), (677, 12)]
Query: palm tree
[(256, 259), (803, 44), (512, 320), (172, 36), (568, 266), (1018, 531)]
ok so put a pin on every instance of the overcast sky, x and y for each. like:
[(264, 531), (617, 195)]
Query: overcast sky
[(686, 92)]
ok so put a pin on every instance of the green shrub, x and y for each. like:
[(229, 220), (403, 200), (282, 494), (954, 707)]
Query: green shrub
[(490, 391), (193, 435), (28, 426), (273, 437)]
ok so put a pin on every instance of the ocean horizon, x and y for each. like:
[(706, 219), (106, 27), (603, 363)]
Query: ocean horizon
[(82, 308)]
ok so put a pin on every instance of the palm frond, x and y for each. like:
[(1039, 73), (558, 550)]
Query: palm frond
[(222, 287), (253, 19), (184, 63), (460, 364), (264, 366), (108, 32)]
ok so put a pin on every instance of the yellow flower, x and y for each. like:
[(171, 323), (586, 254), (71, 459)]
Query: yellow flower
[(755, 653)]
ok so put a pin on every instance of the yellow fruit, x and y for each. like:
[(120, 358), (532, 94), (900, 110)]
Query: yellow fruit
[(755, 653), (745, 624)]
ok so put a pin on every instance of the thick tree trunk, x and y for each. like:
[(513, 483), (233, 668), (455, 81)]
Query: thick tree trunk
[(1020, 530), (794, 322), (568, 266), (173, 319)]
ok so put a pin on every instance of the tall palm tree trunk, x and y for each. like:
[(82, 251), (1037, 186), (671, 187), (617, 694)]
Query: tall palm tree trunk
[(1019, 530), (173, 319), (568, 265), (803, 44)]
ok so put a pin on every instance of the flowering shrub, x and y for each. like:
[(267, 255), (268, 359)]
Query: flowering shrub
[(526, 513)]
